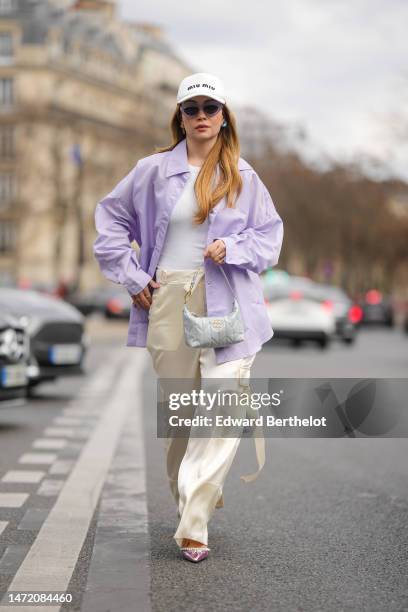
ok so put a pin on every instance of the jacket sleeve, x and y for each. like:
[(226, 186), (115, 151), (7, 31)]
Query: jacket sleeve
[(116, 224), (258, 246)]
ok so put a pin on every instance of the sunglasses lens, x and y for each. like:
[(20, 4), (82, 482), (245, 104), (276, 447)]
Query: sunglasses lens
[(211, 109), (191, 111)]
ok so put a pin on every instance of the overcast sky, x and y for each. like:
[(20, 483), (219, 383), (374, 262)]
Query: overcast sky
[(336, 67)]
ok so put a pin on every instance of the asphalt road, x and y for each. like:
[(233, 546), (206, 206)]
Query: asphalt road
[(323, 527)]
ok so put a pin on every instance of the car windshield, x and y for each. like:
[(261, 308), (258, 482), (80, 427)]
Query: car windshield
[(284, 290), (330, 292), (282, 286)]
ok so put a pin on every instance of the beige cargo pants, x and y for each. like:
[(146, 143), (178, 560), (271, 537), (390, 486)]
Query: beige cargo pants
[(196, 467)]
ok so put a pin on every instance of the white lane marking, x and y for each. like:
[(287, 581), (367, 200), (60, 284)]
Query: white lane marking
[(3, 525), (12, 500), (38, 458), (62, 466), (50, 487), (74, 406), (67, 421), (30, 476), (51, 559), (59, 431), (125, 497), (101, 381), (77, 412), (49, 443)]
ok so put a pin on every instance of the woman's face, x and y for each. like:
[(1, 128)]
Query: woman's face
[(209, 126)]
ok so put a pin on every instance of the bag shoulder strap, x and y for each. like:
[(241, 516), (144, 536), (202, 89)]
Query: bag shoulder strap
[(229, 284), (195, 276)]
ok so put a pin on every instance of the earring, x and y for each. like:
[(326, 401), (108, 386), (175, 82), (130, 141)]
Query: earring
[(224, 124), (182, 127)]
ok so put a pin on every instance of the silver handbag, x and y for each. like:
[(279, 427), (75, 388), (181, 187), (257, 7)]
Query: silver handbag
[(212, 331)]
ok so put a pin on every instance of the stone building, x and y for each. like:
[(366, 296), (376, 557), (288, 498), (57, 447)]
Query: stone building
[(83, 95)]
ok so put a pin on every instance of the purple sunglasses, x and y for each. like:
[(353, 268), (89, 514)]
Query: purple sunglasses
[(210, 108)]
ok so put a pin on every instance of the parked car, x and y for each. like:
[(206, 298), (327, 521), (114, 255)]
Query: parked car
[(377, 308), (347, 314), (93, 300), (48, 288), (297, 313), (14, 350), (118, 305), (57, 343)]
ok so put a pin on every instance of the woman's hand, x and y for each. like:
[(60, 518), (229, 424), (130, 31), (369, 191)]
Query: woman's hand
[(216, 250), (144, 298)]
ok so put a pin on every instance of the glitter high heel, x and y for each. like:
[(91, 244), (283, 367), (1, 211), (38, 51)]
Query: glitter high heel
[(195, 554)]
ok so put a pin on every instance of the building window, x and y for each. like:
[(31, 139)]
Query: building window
[(7, 236), (6, 46), (6, 6), (7, 148), (7, 189), (6, 92)]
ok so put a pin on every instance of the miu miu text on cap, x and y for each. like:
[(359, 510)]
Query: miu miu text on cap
[(201, 84)]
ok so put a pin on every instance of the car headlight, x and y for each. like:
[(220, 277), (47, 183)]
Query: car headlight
[(30, 323), (10, 346)]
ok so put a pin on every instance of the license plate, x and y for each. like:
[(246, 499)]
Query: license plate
[(65, 353), (13, 375)]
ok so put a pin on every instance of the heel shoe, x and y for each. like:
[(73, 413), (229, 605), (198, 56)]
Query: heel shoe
[(195, 554)]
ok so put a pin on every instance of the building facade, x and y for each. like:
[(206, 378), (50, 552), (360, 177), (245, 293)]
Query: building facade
[(83, 95)]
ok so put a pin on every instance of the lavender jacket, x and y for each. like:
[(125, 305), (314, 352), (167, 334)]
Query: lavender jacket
[(139, 208)]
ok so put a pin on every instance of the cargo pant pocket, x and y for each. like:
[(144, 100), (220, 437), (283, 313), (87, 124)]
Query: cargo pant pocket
[(165, 326)]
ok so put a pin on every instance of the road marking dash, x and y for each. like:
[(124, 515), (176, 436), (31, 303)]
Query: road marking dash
[(30, 476), (49, 443), (12, 500), (3, 525), (38, 458), (69, 432)]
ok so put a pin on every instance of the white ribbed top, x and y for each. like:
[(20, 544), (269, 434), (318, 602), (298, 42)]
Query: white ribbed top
[(185, 241)]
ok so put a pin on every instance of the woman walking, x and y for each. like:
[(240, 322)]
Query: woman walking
[(207, 227)]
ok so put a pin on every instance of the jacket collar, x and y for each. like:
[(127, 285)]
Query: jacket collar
[(177, 161)]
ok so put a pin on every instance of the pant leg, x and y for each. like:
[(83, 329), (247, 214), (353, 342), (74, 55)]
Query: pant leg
[(172, 358), (206, 461)]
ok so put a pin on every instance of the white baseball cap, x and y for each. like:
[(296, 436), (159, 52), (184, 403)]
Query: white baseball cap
[(201, 84)]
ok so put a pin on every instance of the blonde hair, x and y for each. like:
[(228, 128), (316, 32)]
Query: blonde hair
[(225, 152)]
